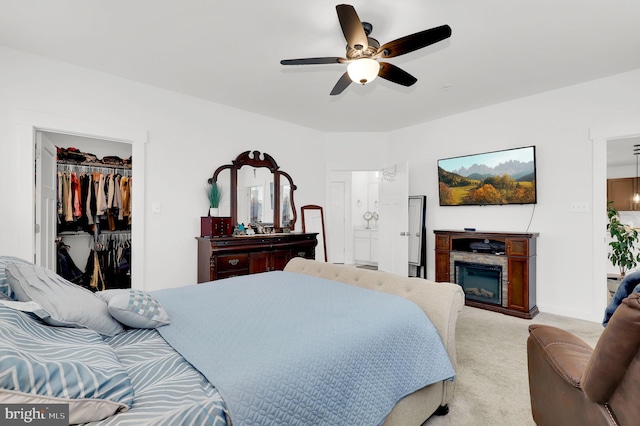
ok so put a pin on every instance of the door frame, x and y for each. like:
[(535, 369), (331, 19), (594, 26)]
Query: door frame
[(337, 174), (599, 138), (28, 122)]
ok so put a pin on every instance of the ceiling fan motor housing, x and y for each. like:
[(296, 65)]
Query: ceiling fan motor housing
[(359, 52)]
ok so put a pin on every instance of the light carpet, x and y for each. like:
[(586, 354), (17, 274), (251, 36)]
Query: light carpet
[(492, 380)]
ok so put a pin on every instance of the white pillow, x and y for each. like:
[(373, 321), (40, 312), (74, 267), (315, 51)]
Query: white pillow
[(67, 304), (134, 308), (30, 306), (5, 288)]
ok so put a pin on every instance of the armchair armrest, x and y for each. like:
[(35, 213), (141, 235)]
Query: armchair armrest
[(557, 360), (567, 354)]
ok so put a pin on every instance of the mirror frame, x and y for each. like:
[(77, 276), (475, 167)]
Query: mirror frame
[(256, 159)]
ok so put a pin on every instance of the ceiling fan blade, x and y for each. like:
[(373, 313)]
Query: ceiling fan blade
[(396, 75), (342, 84), (352, 27), (413, 42), (313, 61)]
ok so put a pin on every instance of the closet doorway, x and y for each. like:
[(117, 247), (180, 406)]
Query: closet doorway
[(85, 248)]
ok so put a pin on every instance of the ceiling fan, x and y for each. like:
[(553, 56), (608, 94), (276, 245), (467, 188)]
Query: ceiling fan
[(363, 52)]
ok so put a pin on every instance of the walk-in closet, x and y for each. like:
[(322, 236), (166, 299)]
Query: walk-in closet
[(93, 185)]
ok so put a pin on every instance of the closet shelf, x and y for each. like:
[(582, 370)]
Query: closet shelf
[(89, 234), (94, 164)]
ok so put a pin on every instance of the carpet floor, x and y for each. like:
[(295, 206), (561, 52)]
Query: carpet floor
[(492, 385)]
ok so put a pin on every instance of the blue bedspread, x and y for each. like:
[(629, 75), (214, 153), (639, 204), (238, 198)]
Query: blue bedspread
[(290, 349)]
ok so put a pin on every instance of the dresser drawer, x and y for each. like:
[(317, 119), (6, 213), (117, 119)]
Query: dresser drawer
[(229, 274), (306, 252), (233, 262)]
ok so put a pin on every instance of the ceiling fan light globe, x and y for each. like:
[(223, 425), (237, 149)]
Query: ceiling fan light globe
[(363, 70)]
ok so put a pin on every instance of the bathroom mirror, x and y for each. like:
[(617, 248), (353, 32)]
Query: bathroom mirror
[(258, 191), (313, 221)]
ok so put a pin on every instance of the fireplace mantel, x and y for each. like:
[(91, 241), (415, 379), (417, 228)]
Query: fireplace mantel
[(516, 251)]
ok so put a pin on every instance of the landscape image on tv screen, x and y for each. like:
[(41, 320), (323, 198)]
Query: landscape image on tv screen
[(492, 178)]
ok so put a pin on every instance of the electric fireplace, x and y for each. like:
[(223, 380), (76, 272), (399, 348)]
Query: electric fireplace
[(495, 270), (480, 282)]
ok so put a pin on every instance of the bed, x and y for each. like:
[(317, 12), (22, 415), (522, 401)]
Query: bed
[(206, 354)]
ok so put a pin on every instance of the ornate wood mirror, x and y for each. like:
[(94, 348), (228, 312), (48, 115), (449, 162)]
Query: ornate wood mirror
[(259, 192)]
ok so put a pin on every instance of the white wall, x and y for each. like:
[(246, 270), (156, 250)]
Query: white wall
[(189, 138), (558, 124)]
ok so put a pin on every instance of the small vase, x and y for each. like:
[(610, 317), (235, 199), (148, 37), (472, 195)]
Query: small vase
[(213, 211)]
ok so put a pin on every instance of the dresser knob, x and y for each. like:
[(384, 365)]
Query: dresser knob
[(233, 262)]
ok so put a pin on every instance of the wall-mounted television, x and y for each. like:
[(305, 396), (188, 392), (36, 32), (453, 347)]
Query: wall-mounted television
[(492, 178)]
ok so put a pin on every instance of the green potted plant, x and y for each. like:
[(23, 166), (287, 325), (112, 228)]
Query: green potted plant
[(622, 246), (214, 193)]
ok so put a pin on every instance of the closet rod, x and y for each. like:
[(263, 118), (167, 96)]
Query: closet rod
[(99, 168)]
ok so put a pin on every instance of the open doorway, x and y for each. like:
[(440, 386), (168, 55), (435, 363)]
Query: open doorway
[(83, 213), (365, 216), (600, 142), (622, 187), (28, 123), (381, 238), (352, 218)]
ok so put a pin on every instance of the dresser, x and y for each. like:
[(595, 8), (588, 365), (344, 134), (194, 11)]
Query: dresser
[(223, 257)]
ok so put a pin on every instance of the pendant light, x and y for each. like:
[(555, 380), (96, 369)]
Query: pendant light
[(636, 195)]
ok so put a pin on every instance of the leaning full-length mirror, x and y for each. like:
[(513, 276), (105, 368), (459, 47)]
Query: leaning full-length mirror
[(313, 221)]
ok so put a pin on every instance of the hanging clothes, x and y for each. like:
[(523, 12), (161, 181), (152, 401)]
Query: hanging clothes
[(95, 199), (84, 196), (75, 192), (66, 267), (108, 265)]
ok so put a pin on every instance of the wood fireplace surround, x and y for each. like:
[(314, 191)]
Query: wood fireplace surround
[(515, 252)]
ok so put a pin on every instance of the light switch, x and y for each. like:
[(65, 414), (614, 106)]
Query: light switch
[(579, 206), (155, 208)]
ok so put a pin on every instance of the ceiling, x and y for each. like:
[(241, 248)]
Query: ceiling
[(228, 52)]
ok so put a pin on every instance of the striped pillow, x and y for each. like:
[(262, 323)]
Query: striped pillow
[(40, 364)]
